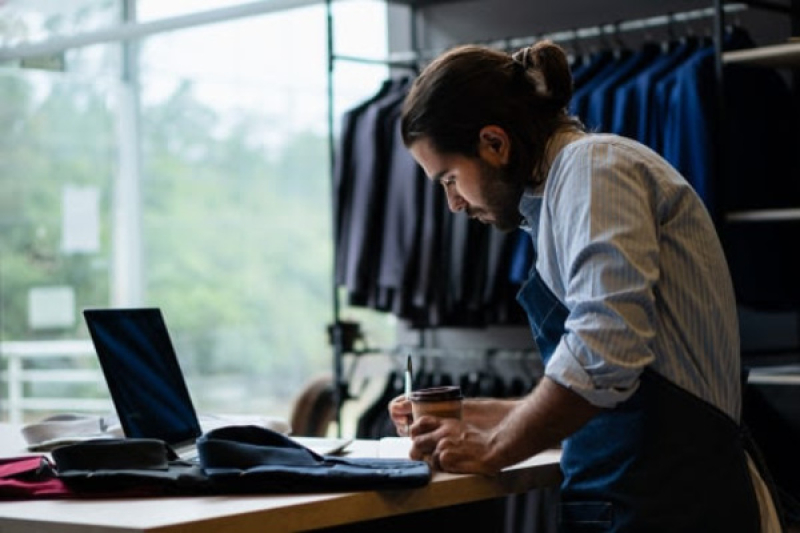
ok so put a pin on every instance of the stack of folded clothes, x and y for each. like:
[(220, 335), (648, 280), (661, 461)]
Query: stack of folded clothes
[(231, 460)]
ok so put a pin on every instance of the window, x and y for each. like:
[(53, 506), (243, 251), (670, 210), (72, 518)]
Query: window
[(202, 188)]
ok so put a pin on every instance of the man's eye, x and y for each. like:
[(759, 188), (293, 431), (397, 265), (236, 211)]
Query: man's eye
[(448, 181)]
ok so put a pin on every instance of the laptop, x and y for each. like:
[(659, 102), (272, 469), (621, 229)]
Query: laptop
[(147, 385)]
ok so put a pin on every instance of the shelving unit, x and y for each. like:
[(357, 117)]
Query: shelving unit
[(772, 392), (778, 55), (785, 55), (764, 215)]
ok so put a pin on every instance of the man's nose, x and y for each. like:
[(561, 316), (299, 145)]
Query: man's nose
[(455, 202)]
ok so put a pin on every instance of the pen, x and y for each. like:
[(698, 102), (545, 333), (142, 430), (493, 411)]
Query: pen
[(408, 378), (410, 419)]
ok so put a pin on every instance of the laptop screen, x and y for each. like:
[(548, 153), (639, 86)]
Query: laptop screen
[(143, 375)]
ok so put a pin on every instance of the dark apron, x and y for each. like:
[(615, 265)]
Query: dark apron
[(664, 460)]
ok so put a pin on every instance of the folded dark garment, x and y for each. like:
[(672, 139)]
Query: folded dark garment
[(256, 459), (127, 467)]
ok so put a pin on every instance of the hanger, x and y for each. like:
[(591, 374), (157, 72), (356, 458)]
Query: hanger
[(612, 40), (580, 56)]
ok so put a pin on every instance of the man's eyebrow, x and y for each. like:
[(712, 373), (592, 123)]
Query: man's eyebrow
[(438, 176)]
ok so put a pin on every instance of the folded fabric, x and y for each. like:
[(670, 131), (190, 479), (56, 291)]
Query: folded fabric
[(255, 459), (129, 466), (30, 477), (62, 429)]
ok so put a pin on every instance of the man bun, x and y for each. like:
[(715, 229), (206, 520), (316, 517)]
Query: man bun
[(546, 66)]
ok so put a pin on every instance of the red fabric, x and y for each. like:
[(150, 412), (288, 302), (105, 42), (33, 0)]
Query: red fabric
[(30, 476)]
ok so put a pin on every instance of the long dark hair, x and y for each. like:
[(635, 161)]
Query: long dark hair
[(469, 87)]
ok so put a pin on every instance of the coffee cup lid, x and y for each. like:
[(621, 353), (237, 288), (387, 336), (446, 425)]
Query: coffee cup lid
[(436, 394)]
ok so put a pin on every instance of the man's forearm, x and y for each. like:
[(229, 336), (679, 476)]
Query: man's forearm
[(539, 421), (487, 413)]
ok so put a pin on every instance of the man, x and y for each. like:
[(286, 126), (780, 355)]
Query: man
[(630, 302)]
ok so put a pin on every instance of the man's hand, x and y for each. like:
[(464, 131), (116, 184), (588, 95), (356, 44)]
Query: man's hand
[(400, 413), (451, 445), (494, 434)]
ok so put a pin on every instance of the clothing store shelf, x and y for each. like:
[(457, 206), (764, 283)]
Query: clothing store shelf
[(764, 215), (778, 55), (778, 375)]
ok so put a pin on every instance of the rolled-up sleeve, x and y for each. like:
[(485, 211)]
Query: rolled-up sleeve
[(626, 244), (600, 255)]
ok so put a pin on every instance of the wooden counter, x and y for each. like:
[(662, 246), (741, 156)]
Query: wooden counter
[(276, 514)]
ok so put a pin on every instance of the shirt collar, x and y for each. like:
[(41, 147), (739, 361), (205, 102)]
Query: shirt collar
[(530, 205)]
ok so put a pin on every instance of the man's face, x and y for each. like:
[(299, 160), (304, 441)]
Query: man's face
[(483, 189)]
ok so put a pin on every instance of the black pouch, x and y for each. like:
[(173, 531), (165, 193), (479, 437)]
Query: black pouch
[(129, 466)]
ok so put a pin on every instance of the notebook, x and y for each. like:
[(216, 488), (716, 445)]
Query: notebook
[(146, 382)]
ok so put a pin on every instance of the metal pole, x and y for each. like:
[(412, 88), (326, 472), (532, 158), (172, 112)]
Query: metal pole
[(335, 331)]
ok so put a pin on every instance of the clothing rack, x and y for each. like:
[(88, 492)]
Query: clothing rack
[(336, 329), (599, 31), (461, 353), (489, 372), (413, 58)]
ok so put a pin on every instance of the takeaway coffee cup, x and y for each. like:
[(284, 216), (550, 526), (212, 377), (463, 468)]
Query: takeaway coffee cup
[(443, 402)]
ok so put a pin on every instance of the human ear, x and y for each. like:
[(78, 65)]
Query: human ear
[(494, 145)]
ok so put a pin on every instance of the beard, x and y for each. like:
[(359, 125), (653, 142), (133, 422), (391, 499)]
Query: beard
[(501, 192)]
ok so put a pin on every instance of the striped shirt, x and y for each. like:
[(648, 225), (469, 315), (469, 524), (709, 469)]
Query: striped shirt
[(627, 245)]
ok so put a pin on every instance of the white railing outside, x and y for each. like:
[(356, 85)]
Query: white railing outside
[(64, 356)]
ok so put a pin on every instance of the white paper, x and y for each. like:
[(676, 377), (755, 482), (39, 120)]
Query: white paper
[(394, 447)]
